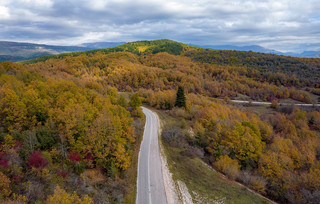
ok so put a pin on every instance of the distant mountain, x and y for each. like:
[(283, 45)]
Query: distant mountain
[(99, 45), (254, 48), (257, 48), (17, 51), (310, 54)]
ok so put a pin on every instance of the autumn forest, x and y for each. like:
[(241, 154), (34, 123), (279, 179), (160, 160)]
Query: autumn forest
[(70, 124)]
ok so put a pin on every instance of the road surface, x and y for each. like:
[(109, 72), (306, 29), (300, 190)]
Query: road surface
[(280, 104), (150, 187)]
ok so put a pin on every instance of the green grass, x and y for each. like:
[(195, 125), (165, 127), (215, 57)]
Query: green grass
[(205, 182), (202, 181), (257, 109)]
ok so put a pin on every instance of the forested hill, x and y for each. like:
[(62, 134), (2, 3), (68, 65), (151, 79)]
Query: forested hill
[(138, 47), (308, 69), (73, 120), (221, 73)]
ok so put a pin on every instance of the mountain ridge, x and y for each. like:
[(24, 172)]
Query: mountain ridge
[(261, 49), (18, 51), (21, 51)]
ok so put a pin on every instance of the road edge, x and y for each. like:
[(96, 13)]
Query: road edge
[(169, 184)]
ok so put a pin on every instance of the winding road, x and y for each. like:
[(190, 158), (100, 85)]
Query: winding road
[(150, 185)]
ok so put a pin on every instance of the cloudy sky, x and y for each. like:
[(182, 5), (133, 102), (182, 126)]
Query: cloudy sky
[(284, 25)]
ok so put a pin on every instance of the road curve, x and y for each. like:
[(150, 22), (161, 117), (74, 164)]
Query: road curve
[(150, 187)]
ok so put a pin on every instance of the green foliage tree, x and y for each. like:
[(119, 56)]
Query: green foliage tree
[(122, 101), (135, 101), (181, 99)]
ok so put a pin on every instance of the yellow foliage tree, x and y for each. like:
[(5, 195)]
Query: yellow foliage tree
[(228, 166), (12, 110), (5, 190), (244, 140), (62, 197)]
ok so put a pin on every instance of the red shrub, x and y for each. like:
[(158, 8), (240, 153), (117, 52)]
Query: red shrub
[(3, 160), (2, 154), (75, 157), (62, 173), (272, 98), (36, 160), (17, 177), (89, 157), (4, 164)]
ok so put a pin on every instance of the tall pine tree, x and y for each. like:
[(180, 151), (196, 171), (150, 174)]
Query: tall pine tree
[(181, 99)]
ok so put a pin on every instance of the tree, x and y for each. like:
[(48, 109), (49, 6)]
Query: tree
[(4, 186), (135, 101), (12, 110), (228, 166), (274, 104), (61, 196), (122, 101), (181, 99)]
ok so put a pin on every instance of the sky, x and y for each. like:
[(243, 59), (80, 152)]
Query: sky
[(283, 25)]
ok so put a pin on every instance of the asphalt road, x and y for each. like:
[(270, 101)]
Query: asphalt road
[(150, 187), (269, 103)]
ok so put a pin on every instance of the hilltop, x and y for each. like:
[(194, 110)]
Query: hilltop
[(307, 69)]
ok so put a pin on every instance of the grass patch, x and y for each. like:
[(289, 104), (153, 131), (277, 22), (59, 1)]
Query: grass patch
[(205, 183)]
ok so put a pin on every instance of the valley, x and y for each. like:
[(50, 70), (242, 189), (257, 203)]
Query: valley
[(72, 122)]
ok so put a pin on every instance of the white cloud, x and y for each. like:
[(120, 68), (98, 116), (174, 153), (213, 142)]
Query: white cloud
[(4, 13)]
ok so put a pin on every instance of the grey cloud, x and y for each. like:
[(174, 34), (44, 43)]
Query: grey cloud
[(285, 25)]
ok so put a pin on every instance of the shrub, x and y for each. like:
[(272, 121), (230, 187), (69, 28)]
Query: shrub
[(61, 196), (36, 160), (193, 152), (62, 173), (314, 120), (4, 164), (180, 112), (274, 104), (79, 168), (89, 157), (4, 186), (45, 138), (228, 166), (137, 113), (310, 196), (75, 157), (255, 182), (174, 137)]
